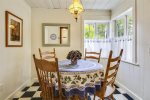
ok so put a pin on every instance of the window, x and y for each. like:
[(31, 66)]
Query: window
[(124, 26), (89, 31), (96, 30), (120, 27), (123, 38), (96, 36), (130, 25)]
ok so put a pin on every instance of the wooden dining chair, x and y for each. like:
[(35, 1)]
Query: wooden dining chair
[(93, 55), (45, 72), (47, 54), (108, 87)]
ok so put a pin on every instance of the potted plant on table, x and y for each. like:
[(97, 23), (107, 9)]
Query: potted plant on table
[(74, 55)]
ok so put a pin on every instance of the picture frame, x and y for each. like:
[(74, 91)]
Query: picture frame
[(14, 30), (55, 34)]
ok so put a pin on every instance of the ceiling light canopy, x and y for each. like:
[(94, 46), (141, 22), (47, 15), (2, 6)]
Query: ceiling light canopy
[(76, 8)]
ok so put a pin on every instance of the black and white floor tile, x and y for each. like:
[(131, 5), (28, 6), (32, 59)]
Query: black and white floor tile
[(33, 93)]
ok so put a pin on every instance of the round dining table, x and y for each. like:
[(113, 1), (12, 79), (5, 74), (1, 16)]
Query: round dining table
[(84, 77)]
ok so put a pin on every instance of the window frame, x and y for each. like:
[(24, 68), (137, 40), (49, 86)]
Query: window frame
[(96, 30), (125, 16)]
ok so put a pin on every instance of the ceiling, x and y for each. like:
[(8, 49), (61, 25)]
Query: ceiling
[(64, 4)]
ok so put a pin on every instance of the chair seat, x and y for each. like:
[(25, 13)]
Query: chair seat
[(109, 90)]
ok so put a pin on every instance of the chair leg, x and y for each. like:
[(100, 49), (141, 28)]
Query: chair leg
[(112, 97), (86, 96), (94, 97), (103, 98)]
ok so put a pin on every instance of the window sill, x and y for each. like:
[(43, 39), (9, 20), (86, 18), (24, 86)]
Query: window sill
[(135, 64)]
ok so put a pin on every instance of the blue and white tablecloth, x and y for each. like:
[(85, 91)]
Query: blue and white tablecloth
[(81, 78)]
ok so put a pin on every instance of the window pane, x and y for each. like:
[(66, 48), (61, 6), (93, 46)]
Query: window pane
[(102, 30), (89, 31), (130, 25), (120, 27)]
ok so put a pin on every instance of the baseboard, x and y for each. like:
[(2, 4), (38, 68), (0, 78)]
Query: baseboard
[(35, 79), (135, 96), (10, 97)]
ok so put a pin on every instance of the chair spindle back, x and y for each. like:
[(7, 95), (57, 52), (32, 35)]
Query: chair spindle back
[(45, 71)]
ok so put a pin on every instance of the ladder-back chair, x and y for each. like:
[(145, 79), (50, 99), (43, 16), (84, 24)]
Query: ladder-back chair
[(108, 87), (47, 55), (93, 55)]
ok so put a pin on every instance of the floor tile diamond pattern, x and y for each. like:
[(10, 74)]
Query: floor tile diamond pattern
[(33, 93)]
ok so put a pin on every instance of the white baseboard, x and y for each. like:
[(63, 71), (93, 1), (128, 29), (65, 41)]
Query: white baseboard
[(10, 97), (35, 79), (132, 94)]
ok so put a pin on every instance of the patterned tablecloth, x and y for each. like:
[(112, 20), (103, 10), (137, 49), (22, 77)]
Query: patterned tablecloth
[(81, 78)]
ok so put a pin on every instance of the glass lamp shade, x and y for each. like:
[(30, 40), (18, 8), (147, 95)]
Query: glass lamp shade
[(76, 8)]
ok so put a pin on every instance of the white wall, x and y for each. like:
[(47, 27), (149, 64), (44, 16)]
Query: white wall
[(40, 15), (144, 23), (125, 5), (136, 78), (130, 78), (15, 62)]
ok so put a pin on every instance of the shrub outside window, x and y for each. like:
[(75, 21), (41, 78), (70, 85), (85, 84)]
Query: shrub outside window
[(96, 30)]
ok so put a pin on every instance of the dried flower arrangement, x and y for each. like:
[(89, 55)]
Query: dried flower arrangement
[(74, 55)]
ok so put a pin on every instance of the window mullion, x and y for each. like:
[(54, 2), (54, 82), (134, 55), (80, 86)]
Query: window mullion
[(95, 33)]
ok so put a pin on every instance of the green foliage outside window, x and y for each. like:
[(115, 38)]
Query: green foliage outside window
[(120, 27), (97, 31), (101, 30), (130, 25), (89, 31)]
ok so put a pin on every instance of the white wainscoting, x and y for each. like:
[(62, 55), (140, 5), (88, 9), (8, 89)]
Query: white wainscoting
[(129, 77)]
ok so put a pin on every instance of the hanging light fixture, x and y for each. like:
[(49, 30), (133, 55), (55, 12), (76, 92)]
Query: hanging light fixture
[(76, 8)]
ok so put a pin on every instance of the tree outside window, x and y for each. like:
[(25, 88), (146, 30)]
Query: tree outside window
[(130, 24), (96, 31), (89, 31), (102, 30), (120, 27)]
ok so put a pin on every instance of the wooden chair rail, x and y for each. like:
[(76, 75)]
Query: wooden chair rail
[(92, 57), (111, 81), (93, 53), (47, 54), (114, 67), (112, 74), (115, 59), (48, 57)]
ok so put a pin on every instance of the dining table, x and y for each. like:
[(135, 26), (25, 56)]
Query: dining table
[(80, 79)]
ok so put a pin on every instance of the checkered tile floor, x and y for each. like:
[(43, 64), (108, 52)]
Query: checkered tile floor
[(33, 93)]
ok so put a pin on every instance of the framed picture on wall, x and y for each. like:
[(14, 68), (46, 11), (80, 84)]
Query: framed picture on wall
[(14, 30), (55, 34)]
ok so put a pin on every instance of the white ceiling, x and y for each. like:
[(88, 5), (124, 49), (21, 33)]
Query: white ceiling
[(64, 4)]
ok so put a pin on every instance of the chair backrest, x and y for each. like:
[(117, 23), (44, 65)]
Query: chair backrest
[(111, 71), (46, 71), (47, 54), (93, 55)]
